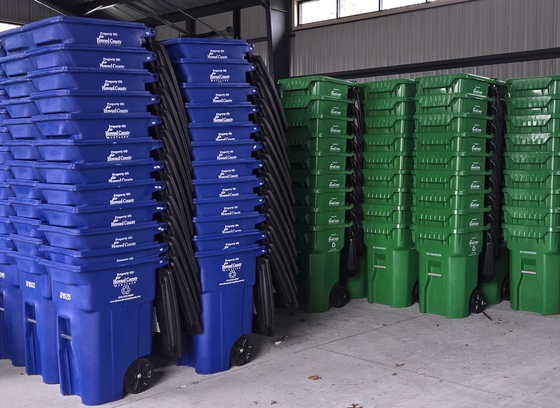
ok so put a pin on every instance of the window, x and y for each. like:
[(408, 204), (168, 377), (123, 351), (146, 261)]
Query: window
[(312, 11), (316, 10), (7, 26), (353, 7)]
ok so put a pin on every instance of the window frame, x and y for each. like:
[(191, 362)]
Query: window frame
[(426, 4)]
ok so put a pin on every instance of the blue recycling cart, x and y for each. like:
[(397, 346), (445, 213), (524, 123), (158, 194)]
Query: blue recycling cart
[(103, 325), (11, 315), (227, 278)]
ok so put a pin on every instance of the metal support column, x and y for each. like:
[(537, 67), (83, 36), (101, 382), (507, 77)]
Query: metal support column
[(237, 23), (279, 28)]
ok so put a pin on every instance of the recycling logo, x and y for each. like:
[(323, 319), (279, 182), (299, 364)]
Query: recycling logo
[(125, 290), (232, 274)]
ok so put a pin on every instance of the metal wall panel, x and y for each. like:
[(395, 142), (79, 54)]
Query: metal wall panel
[(218, 22), (261, 48), (474, 28), (165, 33), (253, 22), (499, 71), (21, 12)]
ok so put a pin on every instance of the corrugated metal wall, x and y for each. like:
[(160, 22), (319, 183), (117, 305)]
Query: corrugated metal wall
[(253, 22), (253, 26), (470, 29), (21, 12), (500, 71)]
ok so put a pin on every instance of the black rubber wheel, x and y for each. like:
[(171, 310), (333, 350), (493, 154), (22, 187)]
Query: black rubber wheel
[(477, 302), (505, 289), (241, 351), (415, 293), (139, 376), (339, 296)]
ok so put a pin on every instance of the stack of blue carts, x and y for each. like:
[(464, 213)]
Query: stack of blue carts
[(213, 77), (11, 299), (77, 211)]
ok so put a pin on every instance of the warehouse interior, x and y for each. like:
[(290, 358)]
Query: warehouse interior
[(362, 354)]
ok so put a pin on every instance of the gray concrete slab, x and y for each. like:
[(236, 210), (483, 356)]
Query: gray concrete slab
[(368, 355)]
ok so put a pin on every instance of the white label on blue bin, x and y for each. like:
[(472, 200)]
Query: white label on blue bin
[(227, 174), (2, 275), (115, 107), (111, 63), (123, 220), (231, 210), (130, 258), (222, 98), (226, 155), (217, 54), (121, 198), (108, 39), (30, 284), (65, 296), (233, 244), (125, 281), (120, 177), (224, 136), (117, 131), (119, 155), (231, 267), (113, 85), (231, 228), (219, 75), (124, 242), (222, 117), (229, 192)]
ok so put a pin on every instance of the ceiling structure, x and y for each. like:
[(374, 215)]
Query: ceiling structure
[(170, 12)]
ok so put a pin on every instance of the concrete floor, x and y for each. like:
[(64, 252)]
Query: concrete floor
[(363, 355)]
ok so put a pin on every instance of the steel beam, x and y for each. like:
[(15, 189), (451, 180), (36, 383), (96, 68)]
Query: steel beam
[(203, 11), (483, 60), (60, 6), (279, 28)]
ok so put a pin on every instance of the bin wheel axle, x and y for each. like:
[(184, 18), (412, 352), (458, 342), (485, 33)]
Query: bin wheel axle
[(339, 296), (241, 351), (477, 302), (505, 289), (139, 376), (415, 293)]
